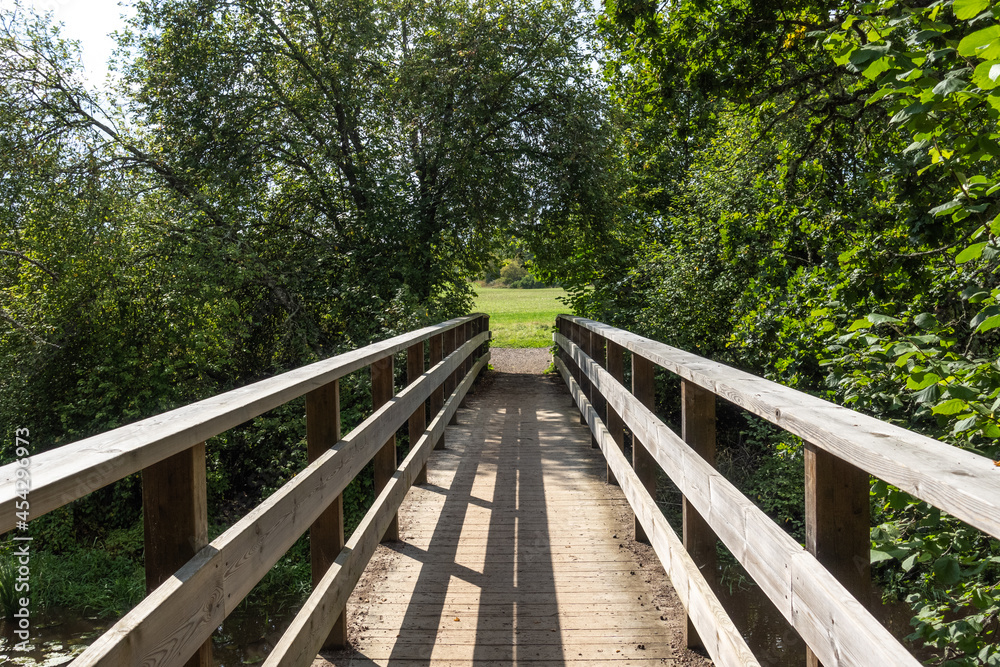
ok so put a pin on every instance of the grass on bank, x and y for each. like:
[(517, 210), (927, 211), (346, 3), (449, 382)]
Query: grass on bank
[(521, 317)]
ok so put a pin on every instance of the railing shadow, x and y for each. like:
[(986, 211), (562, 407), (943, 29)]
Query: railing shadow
[(491, 546)]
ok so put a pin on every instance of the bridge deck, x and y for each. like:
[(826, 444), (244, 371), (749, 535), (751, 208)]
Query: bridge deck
[(515, 551)]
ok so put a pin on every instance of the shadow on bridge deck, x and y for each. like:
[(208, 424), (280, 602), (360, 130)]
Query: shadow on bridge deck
[(514, 552)]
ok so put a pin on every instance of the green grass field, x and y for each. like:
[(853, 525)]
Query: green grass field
[(520, 317)]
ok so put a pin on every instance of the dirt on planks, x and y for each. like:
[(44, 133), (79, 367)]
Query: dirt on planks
[(357, 607), (664, 596)]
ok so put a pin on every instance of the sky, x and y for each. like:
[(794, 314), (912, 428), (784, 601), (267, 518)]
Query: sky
[(90, 22)]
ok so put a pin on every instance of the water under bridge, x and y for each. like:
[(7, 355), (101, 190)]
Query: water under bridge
[(508, 533)]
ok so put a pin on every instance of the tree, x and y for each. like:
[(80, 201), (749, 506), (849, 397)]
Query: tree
[(399, 139), (276, 181)]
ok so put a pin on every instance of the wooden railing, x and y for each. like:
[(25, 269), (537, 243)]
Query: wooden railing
[(195, 584), (819, 589)]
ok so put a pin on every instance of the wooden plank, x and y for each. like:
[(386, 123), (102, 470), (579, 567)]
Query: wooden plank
[(461, 335), (385, 458), (418, 420), (698, 431), (722, 640), (436, 401), (644, 390), (453, 662), (822, 611), (167, 627), (959, 482), (303, 639), (64, 474), (506, 637), (175, 521), (838, 520), (326, 534), (450, 344), (549, 653)]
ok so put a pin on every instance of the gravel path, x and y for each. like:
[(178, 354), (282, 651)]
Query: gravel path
[(526, 360)]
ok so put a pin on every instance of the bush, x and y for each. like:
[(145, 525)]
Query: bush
[(512, 272)]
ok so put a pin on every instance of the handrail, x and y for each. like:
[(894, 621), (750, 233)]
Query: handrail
[(175, 621), (169, 625), (305, 636), (723, 639), (807, 589), (957, 481), (62, 475)]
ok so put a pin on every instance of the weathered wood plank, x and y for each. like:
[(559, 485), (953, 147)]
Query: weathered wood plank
[(721, 638), (643, 388), (64, 474), (175, 518), (436, 401), (961, 483), (168, 626), (803, 590), (451, 342), (385, 458), (698, 431), (326, 535), (838, 520), (598, 351), (418, 420)]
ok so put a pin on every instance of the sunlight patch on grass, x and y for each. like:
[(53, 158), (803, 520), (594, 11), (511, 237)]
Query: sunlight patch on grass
[(521, 317)]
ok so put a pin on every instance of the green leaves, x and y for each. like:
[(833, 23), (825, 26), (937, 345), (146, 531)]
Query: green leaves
[(947, 570), (984, 44), (920, 380), (974, 251), (967, 9), (987, 75), (951, 406)]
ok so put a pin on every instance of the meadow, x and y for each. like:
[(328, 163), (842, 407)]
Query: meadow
[(521, 317)]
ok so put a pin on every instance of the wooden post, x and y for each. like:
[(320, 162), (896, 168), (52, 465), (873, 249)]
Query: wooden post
[(571, 333), (643, 388), (385, 458), (436, 401), (418, 420), (175, 517), (326, 535), (469, 333), (582, 340), (565, 330), (616, 427), (598, 352), (486, 346), (451, 344), (838, 523), (698, 430)]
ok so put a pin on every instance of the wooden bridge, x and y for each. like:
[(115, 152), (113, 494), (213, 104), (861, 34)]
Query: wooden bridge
[(510, 551)]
